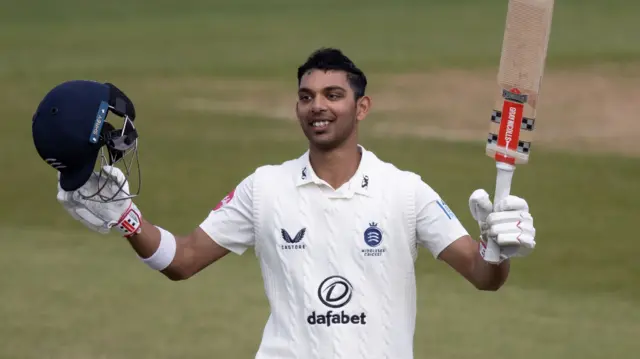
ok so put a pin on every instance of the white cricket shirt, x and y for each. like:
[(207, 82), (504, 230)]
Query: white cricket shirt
[(337, 264)]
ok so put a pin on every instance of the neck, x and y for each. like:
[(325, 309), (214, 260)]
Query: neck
[(335, 166)]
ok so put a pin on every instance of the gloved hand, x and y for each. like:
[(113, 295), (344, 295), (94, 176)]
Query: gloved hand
[(122, 214), (509, 224)]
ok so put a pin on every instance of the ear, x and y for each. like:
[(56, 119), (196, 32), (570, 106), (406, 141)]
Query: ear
[(362, 107)]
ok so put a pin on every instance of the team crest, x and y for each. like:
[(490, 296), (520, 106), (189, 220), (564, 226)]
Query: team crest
[(373, 235), (373, 239)]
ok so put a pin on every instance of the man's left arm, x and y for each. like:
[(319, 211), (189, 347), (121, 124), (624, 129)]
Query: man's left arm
[(464, 256), (439, 230)]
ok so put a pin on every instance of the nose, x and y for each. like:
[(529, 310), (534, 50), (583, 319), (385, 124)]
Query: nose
[(318, 105)]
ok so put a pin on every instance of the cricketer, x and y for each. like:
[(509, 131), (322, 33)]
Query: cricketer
[(336, 230)]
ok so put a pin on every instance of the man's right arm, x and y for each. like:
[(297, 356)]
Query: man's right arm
[(193, 252), (228, 228)]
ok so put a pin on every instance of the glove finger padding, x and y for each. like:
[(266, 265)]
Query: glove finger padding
[(110, 213), (497, 218), (526, 245), (508, 240), (91, 220), (517, 227), (512, 203), (504, 228), (527, 240), (118, 180), (513, 227), (64, 198), (516, 241), (480, 205), (77, 212)]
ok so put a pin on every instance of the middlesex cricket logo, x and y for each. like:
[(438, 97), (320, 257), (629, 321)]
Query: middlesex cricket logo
[(373, 235), (336, 292), (373, 239)]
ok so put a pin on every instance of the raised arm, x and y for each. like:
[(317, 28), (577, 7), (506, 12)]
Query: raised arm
[(227, 228), (441, 232), (179, 258), (464, 256)]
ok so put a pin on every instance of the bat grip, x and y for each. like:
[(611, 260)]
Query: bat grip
[(503, 188)]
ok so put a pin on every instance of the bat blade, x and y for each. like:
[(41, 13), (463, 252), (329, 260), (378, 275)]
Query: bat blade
[(522, 63), (513, 121)]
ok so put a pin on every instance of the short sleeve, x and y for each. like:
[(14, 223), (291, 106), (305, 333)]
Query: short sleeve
[(230, 223), (437, 226)]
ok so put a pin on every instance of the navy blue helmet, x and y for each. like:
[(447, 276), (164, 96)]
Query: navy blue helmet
[(75, 125)]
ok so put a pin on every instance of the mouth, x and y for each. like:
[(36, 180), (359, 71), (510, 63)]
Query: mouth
[(320, 124)]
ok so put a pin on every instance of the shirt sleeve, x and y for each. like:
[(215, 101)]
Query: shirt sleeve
[(230, 223), (437, 226)]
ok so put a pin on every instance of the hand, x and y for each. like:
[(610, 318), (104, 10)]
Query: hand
[(122, 214), (509, 224)]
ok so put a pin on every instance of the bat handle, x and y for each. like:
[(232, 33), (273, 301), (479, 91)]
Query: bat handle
[(503, 188)]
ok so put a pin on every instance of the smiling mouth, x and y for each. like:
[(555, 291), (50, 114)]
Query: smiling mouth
[(320, 124)]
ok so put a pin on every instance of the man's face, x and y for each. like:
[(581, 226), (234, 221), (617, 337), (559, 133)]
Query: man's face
[(327, 109)]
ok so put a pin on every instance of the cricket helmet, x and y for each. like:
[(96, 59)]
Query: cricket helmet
[(73, 133)]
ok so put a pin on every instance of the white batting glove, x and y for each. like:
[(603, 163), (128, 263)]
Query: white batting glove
[(509, 224), (123, 214)]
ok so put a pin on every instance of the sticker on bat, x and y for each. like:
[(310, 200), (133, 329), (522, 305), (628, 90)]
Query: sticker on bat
[(524, 147), (510, 125), (514, 95), (510, 132), (528, 124), (496, 116)]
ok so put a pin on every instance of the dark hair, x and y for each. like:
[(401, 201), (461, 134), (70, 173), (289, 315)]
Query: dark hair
[(333, 59)]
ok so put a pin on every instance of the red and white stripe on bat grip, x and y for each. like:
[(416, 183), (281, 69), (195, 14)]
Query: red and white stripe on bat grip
[(503, 188)]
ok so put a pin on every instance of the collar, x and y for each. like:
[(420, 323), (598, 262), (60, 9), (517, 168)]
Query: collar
[(360, 183)]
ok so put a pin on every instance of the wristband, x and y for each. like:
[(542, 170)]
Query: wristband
[(164, 254)]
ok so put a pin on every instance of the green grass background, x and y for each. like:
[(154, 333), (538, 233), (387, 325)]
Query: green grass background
[(69, 293)]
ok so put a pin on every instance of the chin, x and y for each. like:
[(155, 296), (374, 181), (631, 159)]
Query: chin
[(325, 143), (318, 139), (324, 146)]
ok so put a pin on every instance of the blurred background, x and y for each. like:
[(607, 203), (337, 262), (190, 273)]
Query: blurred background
[(214, 83)]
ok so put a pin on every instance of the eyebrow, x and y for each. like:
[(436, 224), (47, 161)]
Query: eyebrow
[(328, 88)]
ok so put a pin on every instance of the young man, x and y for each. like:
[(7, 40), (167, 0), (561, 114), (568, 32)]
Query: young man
[(336, 231)]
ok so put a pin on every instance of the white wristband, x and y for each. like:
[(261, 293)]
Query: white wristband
[(164, 254)]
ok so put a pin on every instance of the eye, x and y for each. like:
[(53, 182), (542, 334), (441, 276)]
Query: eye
[(334, 96), (304, 97)]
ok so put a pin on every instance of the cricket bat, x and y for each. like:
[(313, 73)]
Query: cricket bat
[(522, 62)]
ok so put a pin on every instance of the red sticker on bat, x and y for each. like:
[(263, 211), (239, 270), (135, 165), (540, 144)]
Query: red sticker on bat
[(225, 200), (510, 124)]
